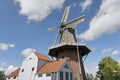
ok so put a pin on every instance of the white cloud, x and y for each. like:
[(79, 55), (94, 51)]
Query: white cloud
[(92, 49), (1, 69), (28, 51), (10, 69), (7, 69), (106, 21), (116, 52), (85, 4), (38, 9), (93, 63), (74, 4), (119, 62), (92, 70), (3, 64), (107, 50), (5, 46)]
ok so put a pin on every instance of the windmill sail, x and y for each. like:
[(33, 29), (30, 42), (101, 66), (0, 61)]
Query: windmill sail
[(63, 31), (75, 22), (52, 28), (57, 36), (64, 18), (65, 15)]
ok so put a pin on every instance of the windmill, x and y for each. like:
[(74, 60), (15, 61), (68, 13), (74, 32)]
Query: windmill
[(68, 48), (66, 25)]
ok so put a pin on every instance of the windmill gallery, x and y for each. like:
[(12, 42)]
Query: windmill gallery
[(68, 64)]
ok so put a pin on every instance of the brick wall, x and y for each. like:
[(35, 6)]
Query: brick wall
[(72, 58)]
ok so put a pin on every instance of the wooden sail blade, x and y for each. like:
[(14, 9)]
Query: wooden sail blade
[(75, 22), (65, 15), (56, 39), (52, 28)]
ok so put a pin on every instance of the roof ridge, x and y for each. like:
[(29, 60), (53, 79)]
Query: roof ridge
[(42, 56)]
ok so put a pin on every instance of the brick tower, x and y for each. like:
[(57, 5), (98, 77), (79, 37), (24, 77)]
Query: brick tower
[(69, 49)]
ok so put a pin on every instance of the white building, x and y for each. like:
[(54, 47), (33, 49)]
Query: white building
[(39, 67)]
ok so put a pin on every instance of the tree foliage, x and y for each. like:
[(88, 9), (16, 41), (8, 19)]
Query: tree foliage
[(109, 69), (2, 76)]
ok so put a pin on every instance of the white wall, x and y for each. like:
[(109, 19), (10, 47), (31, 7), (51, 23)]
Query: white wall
[(30, 62), (27, 65)]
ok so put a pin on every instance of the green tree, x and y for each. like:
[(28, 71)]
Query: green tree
[(109, 69), (2, 76), (91, 77)]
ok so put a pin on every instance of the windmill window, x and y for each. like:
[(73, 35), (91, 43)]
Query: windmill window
[(33, 69), (22, 70)]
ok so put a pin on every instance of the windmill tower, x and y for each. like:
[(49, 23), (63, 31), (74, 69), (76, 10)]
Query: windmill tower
[(68, 48)]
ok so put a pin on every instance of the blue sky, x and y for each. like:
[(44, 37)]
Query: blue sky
[(24, 24)]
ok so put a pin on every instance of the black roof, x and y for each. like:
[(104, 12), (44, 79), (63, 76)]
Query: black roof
[(84, 50)]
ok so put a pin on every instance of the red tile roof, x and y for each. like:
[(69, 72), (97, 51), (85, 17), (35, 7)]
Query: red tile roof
[(15, 73), (41, 56), (52, 66)]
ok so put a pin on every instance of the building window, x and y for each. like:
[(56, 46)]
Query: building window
[(22, 70), (33, 69), (48, 74), (14, 77), (39, 75), (30, 58), (61, 75), (66, 76), (71, 76), (54, 76)]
